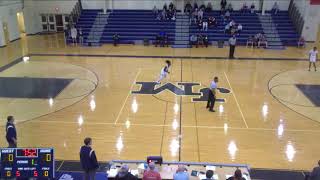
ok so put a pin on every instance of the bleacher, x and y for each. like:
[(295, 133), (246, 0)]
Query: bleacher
[(134, 26)]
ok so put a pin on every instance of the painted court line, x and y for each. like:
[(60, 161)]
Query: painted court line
[(125, 101), (234, 95)]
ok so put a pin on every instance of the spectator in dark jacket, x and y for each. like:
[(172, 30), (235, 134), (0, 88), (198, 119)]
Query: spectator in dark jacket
[(124, 174), (315, 174), (237, 175), (88, 160), (11, 133)]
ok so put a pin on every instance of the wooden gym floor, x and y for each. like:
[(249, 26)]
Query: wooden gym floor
[(266, 121)]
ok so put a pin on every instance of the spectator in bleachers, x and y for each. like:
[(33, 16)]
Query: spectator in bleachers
[(209, 7), (200, 24), (124, 174), (209, 175), (222, 12), (230, 8), (171, 6), (155, 11), (74, 34), (212, 22), (188, 8), (205, 40), (166, 40), (181, 173), (239, 28), (250, 40), (151, 173), (11, 133), (165, 7), (237, 175), (244, 8), (275, 8), (200, 14), (202, 7), (227, 29), (262, 40), (193, 40), (200, 40), (223, 4), (252, 8), (301, 42), (315, 174), (195, 16), (164, 15), (115, 38), (88, 160), (158, 40), (227, 16), (232, 23), (195, 6), (205, 25)]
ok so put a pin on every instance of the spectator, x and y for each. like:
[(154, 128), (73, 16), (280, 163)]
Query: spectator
[(166, 40), (203, 7), (244, 8), (188, 8), (227, 16), (181, 173), (223, 4), (205, 25), (200, 40), (209, 7), (209, 175), (195, 5), (11, 133), (239, 28), (194, 40), (232, 23), (212, 21), (227, 29), (222, 12), (155, 11), (158, 40), (80, 36), (151, 174), (237, 175), (163, 14), (88, 160), (252, 8), (200, 24), (195, 16), (200, 14), (205, 40), (230, 8), (275, 8), (124, 174), (315, 174), (250, 40), (301, 42), (74, 34), (115, 38), (171, 6), (262, 40), (165, 7)]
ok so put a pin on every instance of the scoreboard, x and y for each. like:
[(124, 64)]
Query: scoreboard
[(27, 162)]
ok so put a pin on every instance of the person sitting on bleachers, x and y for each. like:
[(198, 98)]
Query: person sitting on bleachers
[(237, 175), (155, 11), (209, 7), (209, 175), (200, 24), (222, 12), (244, 8), (252, 8), (212, 22), (171, 6), (239, 29), (200, 40), (162, 35), (275, 8), (200, 14), (151, 173), (205, 40), (230, 8), (124, 174), (227, 16), (301, 42), (223, 4), (250, 40), (232, 23), (227, 29), (205, 25), (165, 7), (115, 38), (262, 40), (188, 8), (195, 5), (181, 173), (195, 16), (193, 40), (202, 6)]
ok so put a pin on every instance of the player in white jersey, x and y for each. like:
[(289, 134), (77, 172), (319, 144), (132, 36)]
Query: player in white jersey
[(164, 71), (313, 56)]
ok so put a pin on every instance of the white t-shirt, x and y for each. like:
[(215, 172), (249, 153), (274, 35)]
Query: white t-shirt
[(213, 85), (164, 70), (313, 55)]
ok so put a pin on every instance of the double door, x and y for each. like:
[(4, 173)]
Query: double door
[(54, 22)]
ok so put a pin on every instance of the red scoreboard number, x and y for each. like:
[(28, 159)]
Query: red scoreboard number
[(27, 153)]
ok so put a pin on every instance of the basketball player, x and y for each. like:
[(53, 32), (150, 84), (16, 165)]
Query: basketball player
[(164, 71), (313, 56), (212, 94)]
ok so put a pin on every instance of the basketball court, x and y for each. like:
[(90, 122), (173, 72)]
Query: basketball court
[(267, 114)]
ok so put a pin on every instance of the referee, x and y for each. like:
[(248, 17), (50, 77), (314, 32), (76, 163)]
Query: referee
[(232, 44), (212, 94), (11, 133)]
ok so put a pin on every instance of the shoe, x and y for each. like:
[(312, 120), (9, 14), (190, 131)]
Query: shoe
[(211, 110), (207, 107)]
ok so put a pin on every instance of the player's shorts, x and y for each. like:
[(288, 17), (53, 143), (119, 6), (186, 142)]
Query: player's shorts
[(312, 60)]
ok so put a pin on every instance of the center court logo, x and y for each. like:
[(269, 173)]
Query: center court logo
[(180, 89)]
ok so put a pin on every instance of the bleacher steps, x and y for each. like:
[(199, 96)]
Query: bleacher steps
[(96, 31), (271, 32), (181, 39)]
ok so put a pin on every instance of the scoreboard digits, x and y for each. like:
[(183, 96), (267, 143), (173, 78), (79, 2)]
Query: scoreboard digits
[(27, 162)]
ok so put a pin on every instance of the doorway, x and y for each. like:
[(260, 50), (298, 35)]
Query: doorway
[(6, 33), (21, 24)]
